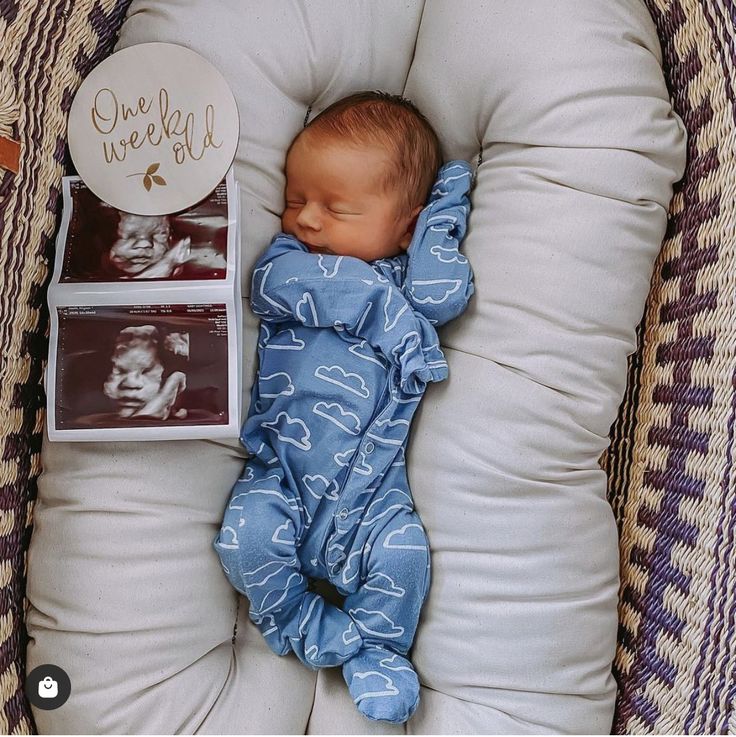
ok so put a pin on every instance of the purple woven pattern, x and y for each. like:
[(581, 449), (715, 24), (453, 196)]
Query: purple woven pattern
[(671, 463), (47, 48)]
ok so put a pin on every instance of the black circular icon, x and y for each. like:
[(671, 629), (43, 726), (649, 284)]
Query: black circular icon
[(48, 687)]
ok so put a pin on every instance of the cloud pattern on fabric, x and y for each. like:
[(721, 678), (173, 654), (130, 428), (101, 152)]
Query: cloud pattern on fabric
[(349, 381), (276, 385), (292, 430), (292, 343), (347, 421)]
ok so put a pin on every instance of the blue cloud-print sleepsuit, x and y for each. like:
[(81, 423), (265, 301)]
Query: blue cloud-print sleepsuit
[(346, 349)]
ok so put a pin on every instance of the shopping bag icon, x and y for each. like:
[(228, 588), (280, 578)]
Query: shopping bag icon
[(48, 688)]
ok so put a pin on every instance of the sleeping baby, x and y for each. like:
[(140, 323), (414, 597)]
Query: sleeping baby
[(349, 295)]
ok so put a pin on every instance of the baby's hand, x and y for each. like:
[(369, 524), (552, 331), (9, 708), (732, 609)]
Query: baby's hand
[(160, 406), (181, 252), (177, 343), (175, 256)]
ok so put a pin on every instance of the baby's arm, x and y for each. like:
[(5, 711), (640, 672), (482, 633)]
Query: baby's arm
[(160, 406), (166, 265), (345, 293), (439, 281)]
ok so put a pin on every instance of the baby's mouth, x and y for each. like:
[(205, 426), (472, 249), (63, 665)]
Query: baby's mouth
[(317, 249), (128, 400)]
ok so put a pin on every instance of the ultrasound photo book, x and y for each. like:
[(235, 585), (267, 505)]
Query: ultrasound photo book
[(145, 320)]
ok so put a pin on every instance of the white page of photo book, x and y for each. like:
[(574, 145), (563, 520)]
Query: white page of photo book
[(143, 349)]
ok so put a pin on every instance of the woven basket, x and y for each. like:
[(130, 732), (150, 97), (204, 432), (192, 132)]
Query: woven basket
[(46, 49), (671, 461)]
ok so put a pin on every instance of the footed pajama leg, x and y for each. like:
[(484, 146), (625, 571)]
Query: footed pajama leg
[(385, 609), (257, 545)]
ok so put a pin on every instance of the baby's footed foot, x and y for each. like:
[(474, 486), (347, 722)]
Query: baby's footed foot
[(383, 685), (327, 635)]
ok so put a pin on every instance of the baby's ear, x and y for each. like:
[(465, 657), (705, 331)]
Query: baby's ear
[(406, 238)]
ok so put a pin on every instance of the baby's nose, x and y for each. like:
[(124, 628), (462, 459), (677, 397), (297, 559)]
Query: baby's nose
[(132, 380), (309, 217), (141, 242)]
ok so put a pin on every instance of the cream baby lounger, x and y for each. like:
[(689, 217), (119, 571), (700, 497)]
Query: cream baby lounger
[(562, 109)]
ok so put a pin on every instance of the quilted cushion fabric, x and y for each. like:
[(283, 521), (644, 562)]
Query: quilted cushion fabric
[(565, 110)]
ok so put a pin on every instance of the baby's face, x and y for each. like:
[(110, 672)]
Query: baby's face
[(141, 242), (135, 378), (335, 202)]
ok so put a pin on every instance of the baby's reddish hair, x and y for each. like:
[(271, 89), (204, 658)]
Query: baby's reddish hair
[(395, 124)]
